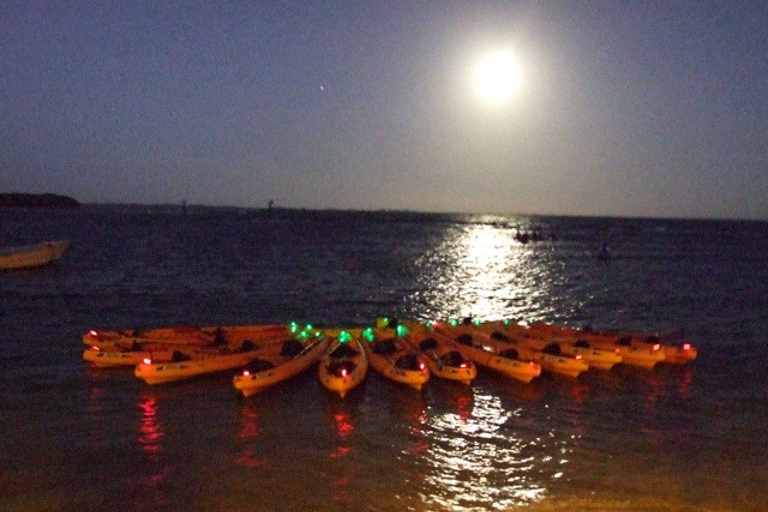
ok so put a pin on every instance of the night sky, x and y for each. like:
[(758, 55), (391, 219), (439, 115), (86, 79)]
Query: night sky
[(649, 109)]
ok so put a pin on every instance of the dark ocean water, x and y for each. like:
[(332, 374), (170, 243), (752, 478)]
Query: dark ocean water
[(74, 438)]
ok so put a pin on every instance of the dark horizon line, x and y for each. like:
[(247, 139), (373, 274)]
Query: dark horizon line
[(191, 206)]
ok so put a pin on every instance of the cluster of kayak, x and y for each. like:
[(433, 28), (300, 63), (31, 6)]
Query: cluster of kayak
[(405, 352)]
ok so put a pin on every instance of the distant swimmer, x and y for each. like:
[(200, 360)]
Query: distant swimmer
[(605, 252)]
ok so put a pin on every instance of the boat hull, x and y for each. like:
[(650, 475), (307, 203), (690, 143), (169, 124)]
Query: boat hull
[(486, 355), (283, 367), (394, 363), (644, 356), (343, 367), (200, 362), (593, 358), (442, 359), (111, 358), (207, 336), (32, 256)]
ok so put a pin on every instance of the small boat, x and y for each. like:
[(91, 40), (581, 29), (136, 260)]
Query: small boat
[(191, 336), (472, 346), (604, 253), (131, 356), (592, 357), (679, 354), (551, 360), (395, 359), (442, 359), (32, 256), (194, 362), (644, 356), (278, 362), (675, 350), (175, 344), (569, 366), (345, 364)]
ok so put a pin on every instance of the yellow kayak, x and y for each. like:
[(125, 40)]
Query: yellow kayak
[(208, 336), (278, 362), (197, 362), (202, 363), (117, 356), (487, 355), (442, 359), (644, 356), (521, 337), (395, 359), (553, 361), (344, 365)]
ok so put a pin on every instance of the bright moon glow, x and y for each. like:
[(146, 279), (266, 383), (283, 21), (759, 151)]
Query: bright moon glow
[(496, 76)]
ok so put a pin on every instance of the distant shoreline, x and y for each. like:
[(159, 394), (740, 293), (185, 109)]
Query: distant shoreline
[(37, 201)]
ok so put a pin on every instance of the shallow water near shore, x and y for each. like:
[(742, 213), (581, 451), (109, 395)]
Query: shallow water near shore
[(676, 438)]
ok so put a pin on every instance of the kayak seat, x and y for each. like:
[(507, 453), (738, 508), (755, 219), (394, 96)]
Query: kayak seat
[(509, 353), (553, 349), (247, 346), (385, 347), (291, 348), (342, 351), (499, 336), (452, 358), (464, 339), (178, 356), (259, 365), (408, 362), (428, 344)]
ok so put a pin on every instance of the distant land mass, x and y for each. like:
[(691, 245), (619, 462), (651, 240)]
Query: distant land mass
[(38, 201)]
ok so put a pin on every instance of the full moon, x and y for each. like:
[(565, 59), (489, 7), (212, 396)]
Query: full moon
[(496, 76)]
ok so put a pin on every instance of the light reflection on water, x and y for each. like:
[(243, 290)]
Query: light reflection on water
[(249, 432), (151, 434), (150, 430), (477, 462), (343, 431), (344, 428), (481, 270)]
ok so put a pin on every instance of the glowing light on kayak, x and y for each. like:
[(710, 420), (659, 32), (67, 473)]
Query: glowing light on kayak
[(147, 360)]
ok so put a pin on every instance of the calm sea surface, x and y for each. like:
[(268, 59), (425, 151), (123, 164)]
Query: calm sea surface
[(75, 438)]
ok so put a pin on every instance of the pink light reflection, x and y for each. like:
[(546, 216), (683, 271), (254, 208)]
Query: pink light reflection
[(344, 428), (249, 434), (150, 430)]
